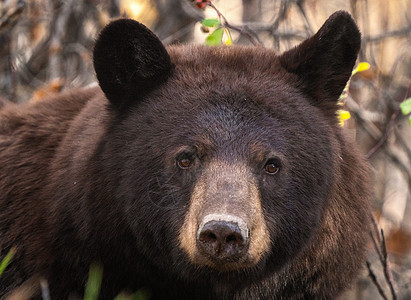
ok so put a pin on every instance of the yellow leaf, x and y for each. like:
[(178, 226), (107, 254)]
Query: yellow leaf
[(362, 66), (229, 40), (342, 116)]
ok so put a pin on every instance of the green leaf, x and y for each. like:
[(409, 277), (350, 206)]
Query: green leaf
[(409, 120), (215, 37), (406, 106), (141, 294), (94, 282), (210, 22), (6, 260)]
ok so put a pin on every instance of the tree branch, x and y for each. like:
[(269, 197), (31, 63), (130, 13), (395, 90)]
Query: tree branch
[(389, 34), (11, 14), (381, 249), (375, 281)]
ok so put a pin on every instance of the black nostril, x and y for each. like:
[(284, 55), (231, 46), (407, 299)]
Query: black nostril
[(222, 240), (233, 239), (208, 237)]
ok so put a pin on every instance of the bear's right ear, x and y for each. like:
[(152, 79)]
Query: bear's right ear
[(129, 61)]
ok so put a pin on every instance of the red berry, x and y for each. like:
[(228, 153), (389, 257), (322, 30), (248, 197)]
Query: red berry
[(201, 3)]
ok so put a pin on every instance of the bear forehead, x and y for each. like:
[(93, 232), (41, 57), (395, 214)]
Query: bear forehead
[(229, 75), (222, 61)]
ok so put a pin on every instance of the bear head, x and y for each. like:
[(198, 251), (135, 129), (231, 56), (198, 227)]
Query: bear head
[(225, 156)]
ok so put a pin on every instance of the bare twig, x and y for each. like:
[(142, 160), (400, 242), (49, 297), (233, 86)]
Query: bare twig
[(387, 133), (56, 43), (178, 34), (388, 130), (267, 27), (305, 18), (11, 14), (375, 281), (387, 270), (389, 34), (376, 236), (246, 31), (381, 249)]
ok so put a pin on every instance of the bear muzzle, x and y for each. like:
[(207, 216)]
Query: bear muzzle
[(224, 227)]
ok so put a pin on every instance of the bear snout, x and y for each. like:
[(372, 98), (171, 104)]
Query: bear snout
[(223, 238), (225, 228)]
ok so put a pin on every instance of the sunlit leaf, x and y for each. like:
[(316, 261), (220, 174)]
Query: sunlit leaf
[(229, 40), (210, 22), (6, 260), (94, 282), (215, 37), (362, 66), (141, 294), (406, 106), (343, 115)]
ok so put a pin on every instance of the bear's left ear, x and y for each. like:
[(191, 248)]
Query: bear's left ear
[(129, 61), (324, 62)]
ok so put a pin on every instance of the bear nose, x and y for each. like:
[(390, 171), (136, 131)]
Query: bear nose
[(222, 241)]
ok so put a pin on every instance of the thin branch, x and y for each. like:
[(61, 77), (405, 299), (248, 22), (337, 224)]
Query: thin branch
[(403, 166), (178, 34), (389, 34), (387, 270), (56, 42), (388, 129), (305, 18), (246, 31), (387, 133), (266, 27), (403, 143), (280, 17), (374, 241), (381, 249), (375, 281), (11, 15)]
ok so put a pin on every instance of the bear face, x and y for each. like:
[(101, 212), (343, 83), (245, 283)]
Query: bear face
[(206, 172), (228, 140)]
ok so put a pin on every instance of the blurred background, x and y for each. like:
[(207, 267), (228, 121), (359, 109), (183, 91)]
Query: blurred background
[(46, 45)]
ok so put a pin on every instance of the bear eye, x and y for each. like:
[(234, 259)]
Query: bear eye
[(186, 158), (184, 163), (271, 167)]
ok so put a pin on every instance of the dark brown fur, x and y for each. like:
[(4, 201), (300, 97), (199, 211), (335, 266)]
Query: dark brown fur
[(88, 176)]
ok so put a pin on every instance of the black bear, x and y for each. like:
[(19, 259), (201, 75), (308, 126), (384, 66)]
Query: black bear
[(194, 172)]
